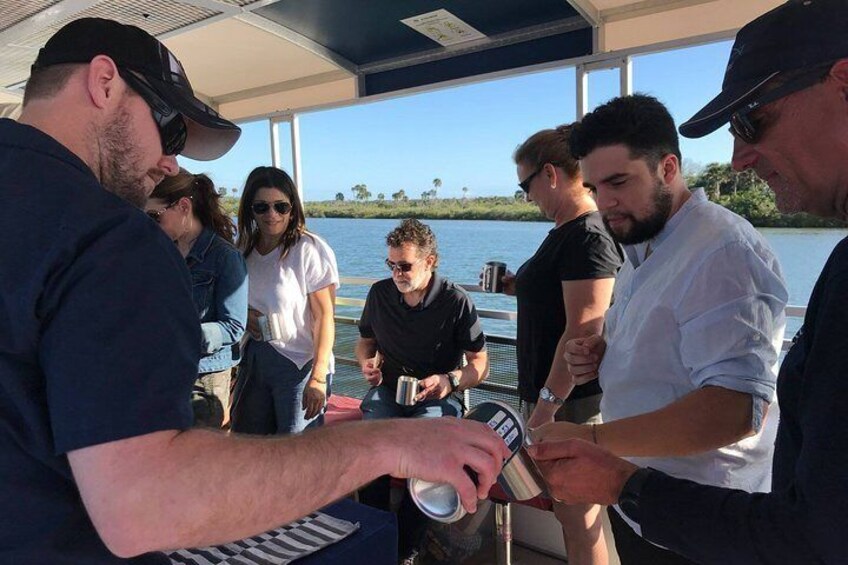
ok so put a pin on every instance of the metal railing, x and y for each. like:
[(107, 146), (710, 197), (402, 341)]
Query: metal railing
[(503, 374)]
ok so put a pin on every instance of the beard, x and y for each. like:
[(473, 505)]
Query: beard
[(121, 160), (416, 283), (646, 228)]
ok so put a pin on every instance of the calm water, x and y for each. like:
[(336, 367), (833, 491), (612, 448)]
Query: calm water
[(464, 246)]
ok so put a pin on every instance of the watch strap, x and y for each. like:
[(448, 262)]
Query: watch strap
[(547, 395)]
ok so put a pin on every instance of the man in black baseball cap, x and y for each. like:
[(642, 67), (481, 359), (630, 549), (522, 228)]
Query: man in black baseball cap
[(772, 57), (785, 94), (187, 126), (99, 337)]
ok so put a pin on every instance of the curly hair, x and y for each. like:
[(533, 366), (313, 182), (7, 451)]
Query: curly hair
[(414, 232)]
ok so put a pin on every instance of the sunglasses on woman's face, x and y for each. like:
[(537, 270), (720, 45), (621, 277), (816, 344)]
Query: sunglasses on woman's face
[(156, 215), (281, 208)]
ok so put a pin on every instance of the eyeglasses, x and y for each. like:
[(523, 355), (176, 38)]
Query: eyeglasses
[(281, 208), (172, 127), (748, 128), (156, 215), (402, 267), (525, 184)]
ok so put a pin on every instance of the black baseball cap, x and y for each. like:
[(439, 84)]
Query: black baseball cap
[(797, 35), (132, 48)]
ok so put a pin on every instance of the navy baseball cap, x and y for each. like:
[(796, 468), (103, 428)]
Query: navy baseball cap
[(209, 135), (797, 35)]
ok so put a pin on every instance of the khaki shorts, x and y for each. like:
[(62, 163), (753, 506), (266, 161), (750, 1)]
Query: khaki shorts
[(586, 410)]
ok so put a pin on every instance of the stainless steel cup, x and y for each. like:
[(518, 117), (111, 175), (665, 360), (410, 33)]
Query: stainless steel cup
[(407, 390), (270, 327), (519, 477), (493, 271)]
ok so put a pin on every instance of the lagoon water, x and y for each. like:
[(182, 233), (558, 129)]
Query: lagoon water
[(465, 245)]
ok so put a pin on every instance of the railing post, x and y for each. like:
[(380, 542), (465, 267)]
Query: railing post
[(503, 532)]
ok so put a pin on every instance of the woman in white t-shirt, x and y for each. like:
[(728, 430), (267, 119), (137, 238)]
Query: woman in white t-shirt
[(285, 376)]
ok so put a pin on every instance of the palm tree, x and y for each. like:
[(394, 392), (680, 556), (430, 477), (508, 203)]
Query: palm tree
[(437, 183)]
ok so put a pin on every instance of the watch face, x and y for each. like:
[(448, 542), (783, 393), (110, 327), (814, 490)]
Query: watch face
[(546, 395)]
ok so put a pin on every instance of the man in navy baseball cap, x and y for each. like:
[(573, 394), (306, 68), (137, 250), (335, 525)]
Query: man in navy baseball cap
[(773, 56), (99, 337), (187, 126)]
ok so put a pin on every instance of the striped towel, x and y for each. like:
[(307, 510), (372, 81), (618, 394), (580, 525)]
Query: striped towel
[(283, 545)]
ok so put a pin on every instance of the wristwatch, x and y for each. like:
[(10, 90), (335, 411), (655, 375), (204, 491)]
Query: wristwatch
[(628, 501), (546, 395), (454, 381)]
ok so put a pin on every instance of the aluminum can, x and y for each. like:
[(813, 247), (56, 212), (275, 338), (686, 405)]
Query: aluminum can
[(519, 477)]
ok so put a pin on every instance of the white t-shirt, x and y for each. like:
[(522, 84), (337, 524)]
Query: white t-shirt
[(282, 287)]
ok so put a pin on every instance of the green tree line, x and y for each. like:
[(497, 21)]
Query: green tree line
[(743, 193)]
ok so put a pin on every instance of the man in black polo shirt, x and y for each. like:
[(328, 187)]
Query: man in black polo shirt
[(420, 325)]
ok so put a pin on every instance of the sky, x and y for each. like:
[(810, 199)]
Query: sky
[(465, 135)]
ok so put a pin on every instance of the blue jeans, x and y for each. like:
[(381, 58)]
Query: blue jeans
[(268, 398), (379, 403)]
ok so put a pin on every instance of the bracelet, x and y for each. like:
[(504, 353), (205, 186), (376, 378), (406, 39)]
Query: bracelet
[(317, 381), (595, 434)]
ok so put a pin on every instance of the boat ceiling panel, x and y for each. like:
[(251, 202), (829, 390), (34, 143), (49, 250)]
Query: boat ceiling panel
[(231, 56), (633, 25), (21, 10), (365, 31), (254, 57)]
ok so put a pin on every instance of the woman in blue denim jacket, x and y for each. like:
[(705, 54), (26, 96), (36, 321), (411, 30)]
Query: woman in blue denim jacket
[(187, 209)]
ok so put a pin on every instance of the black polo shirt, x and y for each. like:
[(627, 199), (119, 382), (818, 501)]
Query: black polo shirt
[(577, 250), (99, 341), (423, 340)]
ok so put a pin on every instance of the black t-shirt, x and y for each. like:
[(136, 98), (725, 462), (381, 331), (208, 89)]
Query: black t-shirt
[(99, 341), (577, 250), (423, 340)]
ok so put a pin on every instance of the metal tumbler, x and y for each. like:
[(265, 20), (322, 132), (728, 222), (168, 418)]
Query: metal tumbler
[(270, 327), (493, 271), (407, 390), (519, 477)]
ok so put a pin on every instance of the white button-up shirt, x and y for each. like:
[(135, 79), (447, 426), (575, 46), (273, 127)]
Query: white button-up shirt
[(705, 308)]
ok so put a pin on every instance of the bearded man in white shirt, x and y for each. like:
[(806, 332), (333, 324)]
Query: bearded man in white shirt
[(687, 360)]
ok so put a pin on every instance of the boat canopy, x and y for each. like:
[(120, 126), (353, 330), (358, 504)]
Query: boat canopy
[(263, 58)]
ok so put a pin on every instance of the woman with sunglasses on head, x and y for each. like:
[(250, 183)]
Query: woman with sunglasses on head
[(187, 208), (288, 364), (562, 292)]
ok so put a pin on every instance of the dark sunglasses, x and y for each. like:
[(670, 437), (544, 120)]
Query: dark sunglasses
[(172, 127), (156, 215), (281, 208), (402, 267), (749, 129), (525, 184)]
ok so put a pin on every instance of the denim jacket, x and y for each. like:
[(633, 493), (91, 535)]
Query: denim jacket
[(219, 287)]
